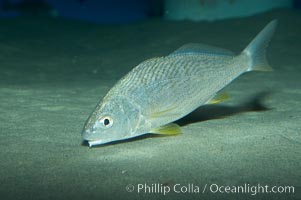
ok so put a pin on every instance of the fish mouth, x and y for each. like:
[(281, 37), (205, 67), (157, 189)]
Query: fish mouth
[(92, 140), (92, 143)]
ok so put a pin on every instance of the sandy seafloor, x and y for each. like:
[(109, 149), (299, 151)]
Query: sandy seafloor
[(53, 72)]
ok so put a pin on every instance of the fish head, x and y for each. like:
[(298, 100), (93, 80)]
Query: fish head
[(111, 121)]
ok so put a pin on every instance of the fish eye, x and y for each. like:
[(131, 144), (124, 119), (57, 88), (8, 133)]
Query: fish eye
[(106, 121)]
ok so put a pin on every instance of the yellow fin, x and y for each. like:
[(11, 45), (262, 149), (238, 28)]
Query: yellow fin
[(161, 113), (219, 98), (168, 129)]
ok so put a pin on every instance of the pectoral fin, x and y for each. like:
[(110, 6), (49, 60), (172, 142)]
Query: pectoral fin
[(161, 113), (168, 129), (219, 98)]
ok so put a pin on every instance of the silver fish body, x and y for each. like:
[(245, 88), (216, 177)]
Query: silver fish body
[(161, 90)]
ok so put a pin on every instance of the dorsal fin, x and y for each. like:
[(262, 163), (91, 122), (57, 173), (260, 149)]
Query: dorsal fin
[(198, 48)]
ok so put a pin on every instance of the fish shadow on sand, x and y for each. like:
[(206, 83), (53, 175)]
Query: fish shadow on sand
[(204, 113), (209, 112)]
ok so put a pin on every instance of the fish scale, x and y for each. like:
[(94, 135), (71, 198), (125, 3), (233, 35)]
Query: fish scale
[(160, 69)]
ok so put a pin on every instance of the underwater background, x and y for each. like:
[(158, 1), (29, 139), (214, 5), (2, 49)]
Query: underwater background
[(59, 58)]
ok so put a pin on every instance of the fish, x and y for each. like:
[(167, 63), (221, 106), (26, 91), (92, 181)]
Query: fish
[(161, 90)]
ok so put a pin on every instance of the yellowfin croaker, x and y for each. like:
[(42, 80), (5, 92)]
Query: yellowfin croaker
[(161, 90)]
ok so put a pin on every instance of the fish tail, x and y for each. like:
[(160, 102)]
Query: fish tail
[(256, 50)]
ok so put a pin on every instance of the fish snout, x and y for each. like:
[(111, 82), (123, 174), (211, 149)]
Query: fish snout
[(87, 133)]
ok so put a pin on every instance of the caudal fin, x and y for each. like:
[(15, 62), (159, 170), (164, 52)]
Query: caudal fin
[(256, 50)]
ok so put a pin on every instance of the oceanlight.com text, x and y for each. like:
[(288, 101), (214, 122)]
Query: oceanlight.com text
[(251, 189)]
